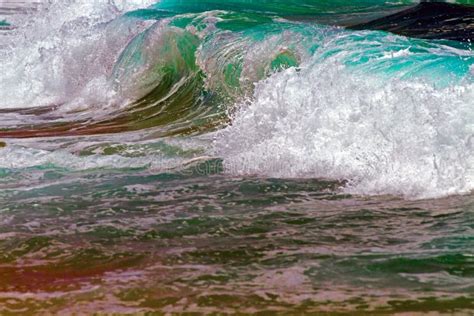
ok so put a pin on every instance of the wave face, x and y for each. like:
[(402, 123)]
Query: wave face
[(291, 91)]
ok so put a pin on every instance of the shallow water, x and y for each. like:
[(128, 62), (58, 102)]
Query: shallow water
[(237, 157)]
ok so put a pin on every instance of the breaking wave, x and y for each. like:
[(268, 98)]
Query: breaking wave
[(282, 93)]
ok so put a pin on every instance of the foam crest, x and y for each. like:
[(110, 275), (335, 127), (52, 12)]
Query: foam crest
[(63, 51), (403, 137)]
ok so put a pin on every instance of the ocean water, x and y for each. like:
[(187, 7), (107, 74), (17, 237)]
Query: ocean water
[(236, 157)]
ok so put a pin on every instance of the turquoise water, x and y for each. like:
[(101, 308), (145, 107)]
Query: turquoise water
[(247, 157)]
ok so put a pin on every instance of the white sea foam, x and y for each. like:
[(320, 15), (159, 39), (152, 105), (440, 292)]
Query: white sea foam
[(63, 51), (21, 157), (386, 137)]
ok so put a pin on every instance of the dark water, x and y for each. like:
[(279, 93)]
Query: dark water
[(434, 20), (143, 171), (137, 241)]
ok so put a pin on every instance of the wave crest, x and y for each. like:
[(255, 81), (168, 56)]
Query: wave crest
[(386, 137)]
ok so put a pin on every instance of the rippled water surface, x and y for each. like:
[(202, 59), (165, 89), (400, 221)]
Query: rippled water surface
[(240, 157), (140, 241)]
